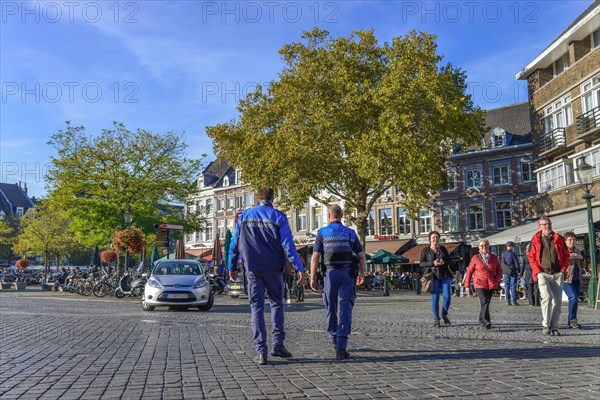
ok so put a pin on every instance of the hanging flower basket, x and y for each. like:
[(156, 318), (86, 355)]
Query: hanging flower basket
[(130, 239), (22, 263), (108, 256)]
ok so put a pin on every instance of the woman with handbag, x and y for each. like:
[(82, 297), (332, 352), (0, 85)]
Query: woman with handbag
[(486, 272), (435, 260)]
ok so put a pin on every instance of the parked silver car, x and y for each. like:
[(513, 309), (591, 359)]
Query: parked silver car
[(177, 283)]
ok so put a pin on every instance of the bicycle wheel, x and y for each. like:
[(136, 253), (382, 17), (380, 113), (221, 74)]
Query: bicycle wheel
[(87, 288), (101, 289)]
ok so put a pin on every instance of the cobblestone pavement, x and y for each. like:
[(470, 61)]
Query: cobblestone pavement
[(59, 345)]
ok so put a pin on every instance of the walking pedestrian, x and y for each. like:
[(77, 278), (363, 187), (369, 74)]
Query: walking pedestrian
[(263, 238), (511, 270), (549, 259), (572, 281), (337, 242), (436, 259), (486, 272)]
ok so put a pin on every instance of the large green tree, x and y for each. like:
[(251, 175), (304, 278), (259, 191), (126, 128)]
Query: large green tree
[(353, 117), (8, 233), (97, 178), (45, 231)]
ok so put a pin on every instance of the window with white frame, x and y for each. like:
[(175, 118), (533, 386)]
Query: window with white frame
[(249, 200), (561, 64), (501, 174), (230, 202), (229, 225), (239, 201), (475, 217), (451, 179), (238, 176), (20, 211), (208, 206), (317, 220), (208, 233), (595, 38), (371, 224), (527, 168), (226, 181), (425, 221), (590, 94), (503, 214), (385, 221), (2, 214), (301, 220), (551, 178), (559, 114), (449, 217), (220, 203), (473, 176), (498, 139), (403, 222), (221, 229)]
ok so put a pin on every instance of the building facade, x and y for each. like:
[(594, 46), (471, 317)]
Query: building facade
[(564, 98)]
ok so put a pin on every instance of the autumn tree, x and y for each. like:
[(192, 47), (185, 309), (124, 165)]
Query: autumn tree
[(354, 118), (96, 179)]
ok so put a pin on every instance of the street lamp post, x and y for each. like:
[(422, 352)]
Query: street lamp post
[(128, 217), (585, 172)]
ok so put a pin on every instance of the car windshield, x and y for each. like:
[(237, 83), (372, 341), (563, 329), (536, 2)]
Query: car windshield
[(177, 268)]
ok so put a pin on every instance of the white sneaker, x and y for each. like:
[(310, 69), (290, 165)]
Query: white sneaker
[(289, 301)]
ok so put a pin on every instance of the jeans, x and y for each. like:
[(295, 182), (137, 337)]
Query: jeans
[(443, 285), (551, 294), (510, 286), (485, 296), (573, 290)]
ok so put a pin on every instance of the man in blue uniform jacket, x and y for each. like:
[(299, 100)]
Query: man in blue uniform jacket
[(337, 243), (263, 239)]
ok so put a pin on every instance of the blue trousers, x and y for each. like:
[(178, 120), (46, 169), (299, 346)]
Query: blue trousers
[(573, 290), (444, 286), (510, 286), (339, 285), (273, 282)]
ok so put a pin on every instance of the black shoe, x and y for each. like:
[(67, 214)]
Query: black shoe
[(509, 304), (342, 354), (488, 326), (515, 303), (573, 324), (261, 359), (281, 351), (555, 332), (446, 320), (436, 322)]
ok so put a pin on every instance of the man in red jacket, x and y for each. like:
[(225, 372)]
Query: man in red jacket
[(549, 259)]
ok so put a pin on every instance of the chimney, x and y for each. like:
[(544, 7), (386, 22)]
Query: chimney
[(25, 188)]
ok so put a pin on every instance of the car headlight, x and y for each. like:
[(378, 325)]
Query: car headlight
[(201, 283), (154, 283)]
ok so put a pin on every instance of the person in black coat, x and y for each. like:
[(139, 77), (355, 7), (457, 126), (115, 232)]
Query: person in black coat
[(436, 259)]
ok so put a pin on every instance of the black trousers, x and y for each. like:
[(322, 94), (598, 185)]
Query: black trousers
[(533, 294), (485, 296)]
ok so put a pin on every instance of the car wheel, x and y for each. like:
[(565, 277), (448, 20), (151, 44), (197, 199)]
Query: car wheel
[(208, 306), (146, 306)]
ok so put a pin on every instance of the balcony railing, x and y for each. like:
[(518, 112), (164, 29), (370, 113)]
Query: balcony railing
[(588, 121), (552, 139)]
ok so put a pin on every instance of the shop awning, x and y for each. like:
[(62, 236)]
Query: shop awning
[(574, 221), (388, 245), (414, 254)]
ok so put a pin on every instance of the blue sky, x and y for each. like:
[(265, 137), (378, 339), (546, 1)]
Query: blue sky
[(181, 65)]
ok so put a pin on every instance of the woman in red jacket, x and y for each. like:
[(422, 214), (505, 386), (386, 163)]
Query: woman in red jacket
[(486, 272)]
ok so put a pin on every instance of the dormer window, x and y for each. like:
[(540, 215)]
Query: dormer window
[(226, 181), (20, 211), (498, 139), (2, 214), (201, 182), (238, 176)]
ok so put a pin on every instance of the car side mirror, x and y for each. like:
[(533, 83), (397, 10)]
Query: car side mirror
[(145, 275)]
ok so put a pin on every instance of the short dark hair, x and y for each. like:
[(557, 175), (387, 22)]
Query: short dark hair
[(569, 234), (336, 211), (433, 233), (266, 193)]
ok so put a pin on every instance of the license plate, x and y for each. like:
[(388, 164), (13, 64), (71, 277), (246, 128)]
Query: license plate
[(236, 287), (177, 296)]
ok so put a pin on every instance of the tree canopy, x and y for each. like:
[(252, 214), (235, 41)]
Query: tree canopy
[(354, 118), (97, 178)]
